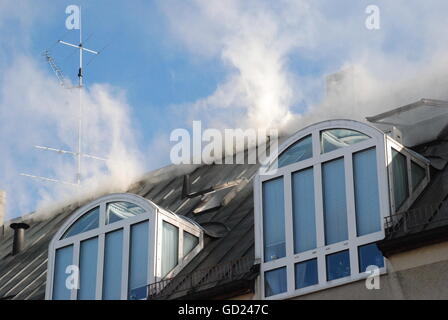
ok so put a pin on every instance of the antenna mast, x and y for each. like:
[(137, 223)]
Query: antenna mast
[(79, 153)]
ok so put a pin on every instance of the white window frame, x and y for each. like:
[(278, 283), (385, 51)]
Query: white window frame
[(153, 214), (378, 140), (411, 156)]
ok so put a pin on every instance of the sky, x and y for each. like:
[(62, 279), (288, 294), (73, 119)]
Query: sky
[(165, 63)]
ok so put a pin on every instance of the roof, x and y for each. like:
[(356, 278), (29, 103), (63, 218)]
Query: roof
[(23, 276)]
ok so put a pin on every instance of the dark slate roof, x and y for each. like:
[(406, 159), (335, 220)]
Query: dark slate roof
[(427, 220), (24, 276)]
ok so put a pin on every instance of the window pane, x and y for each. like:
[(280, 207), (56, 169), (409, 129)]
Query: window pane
[(370, 255), (190, 242), (338, 138), (366, 192), (301, 150), (335, 210), (88, 256), (400, 178), (170, 244), (273, 220), (113, 256), (303, 210), (117, 211), (138, 258), (306, 274), (63, 258), (275, 282), (338, 265), (418, 174), (86, 222)]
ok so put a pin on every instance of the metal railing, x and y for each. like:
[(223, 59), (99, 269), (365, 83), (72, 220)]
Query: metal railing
[(409, 221), (199, 279)]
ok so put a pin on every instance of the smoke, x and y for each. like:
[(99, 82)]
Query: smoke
[(35, 110), (269, 49)]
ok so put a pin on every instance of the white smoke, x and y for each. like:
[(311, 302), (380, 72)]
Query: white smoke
[(261, 44)]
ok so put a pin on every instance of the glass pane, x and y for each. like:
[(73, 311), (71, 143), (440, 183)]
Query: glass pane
[(400, 178), (338, 265), (88, 257), (63, 258), (273, 220), (113, 256), (301, 150), (138, 258), (306, 273), (275, 282), (333, 139), (365, 178), (370, 255), (335, 210), (86, 222), (170, 245), (117, 211), (190, 242), (418, 174), (303, 210)]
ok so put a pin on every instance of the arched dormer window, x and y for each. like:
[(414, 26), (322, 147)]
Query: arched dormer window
[(119, 243), (320, 206)]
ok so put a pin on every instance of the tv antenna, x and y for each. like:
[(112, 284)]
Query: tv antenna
[(79, 154)]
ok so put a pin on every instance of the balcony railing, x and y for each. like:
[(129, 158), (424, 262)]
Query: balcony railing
[(201, 279), (412, 220)]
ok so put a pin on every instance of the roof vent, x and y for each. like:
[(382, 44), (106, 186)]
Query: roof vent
[(19, 237)]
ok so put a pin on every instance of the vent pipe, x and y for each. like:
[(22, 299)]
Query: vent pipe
[(19, 237), (2, 211)]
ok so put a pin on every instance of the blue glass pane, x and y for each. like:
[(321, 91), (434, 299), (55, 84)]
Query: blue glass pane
[(138, 257), (120, 210), (63, 258), (306, 274), (335, 210), (303, 210), (367, 204), (138, 293), (370, 255), (88, 257), (86, 222), (400, 178), (275, 282), (338, 138), (273, 220), (418, 174), (301, 150), (113, 256), (338, 265), (170, 245), (190, 242)]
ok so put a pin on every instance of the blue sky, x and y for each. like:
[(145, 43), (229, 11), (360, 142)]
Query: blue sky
[(229, 63)]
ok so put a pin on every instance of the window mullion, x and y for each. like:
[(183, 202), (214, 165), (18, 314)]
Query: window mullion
[(100, 267), (351, 207), (320, 228), (74, 292), (289, 237), (125, 263)]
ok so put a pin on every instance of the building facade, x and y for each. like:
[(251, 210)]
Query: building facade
[(345, 210)]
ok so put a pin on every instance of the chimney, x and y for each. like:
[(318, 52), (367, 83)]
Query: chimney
[(19, 237), (2, 212)]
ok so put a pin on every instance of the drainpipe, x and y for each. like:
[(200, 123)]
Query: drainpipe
[(19, 237), (2, 212)]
